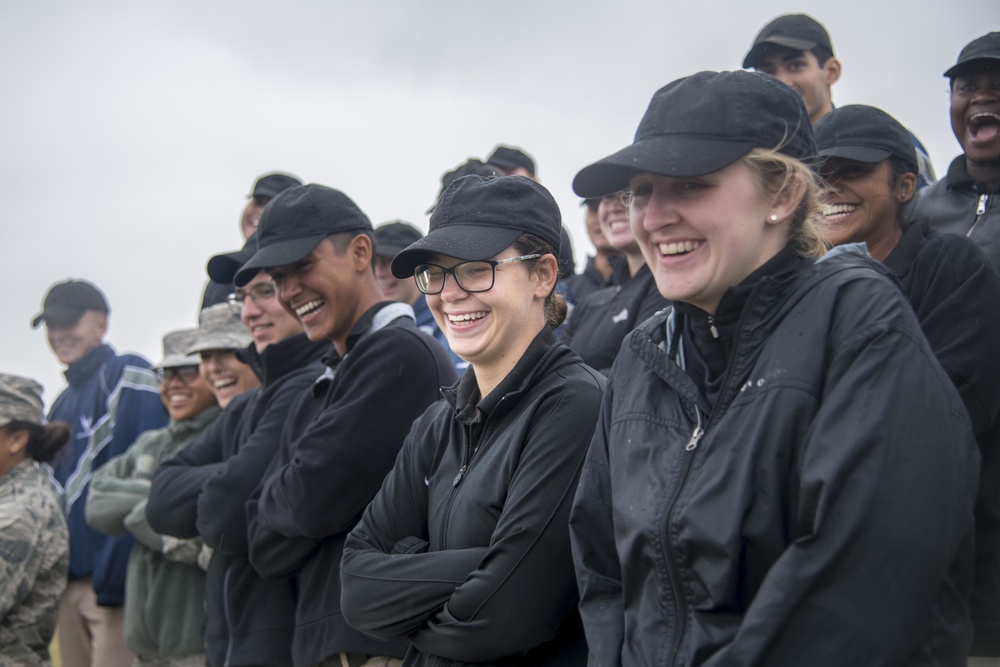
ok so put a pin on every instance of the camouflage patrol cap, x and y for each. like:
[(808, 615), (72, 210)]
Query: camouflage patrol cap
[(220, 328), (175, 349), (20, 400)]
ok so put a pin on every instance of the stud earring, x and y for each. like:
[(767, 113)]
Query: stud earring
[(773, 218)]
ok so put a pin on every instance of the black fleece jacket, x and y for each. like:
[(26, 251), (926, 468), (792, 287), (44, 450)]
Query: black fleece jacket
[(203, 491), (465, 550), (339, 442)]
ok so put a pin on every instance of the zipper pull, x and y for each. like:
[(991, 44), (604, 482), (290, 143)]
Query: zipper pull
[(695, 438), (981, 209), (458, 477), (712, 328)]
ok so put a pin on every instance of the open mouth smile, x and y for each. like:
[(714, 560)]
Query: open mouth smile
[(679, 248), (308, 307), (838, 212), (984, 126)]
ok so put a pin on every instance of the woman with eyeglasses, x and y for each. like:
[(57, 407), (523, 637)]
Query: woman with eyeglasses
[(598, 324), (465, 550), (782, 473), (34, 539), (164, 608)]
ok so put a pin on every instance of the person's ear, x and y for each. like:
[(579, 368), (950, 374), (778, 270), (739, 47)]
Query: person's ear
[(546, 274), (832, 68), (17, 441), (906, 187), (786, 201), (362, 252)]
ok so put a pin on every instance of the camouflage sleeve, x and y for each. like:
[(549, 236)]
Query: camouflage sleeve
[(20, 558)]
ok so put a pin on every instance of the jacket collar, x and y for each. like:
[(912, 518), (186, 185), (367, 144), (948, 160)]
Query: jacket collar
[(80, 371), (958, 178), (283, 357)]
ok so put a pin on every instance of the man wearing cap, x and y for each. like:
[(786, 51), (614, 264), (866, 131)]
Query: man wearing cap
[(110, 400), (343, 434), (965, 201), (164, 611), (513, 162), (264, 190), (797, 50), (203, 490), (391, 239)]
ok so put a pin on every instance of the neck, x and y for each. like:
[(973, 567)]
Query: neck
[(490, 374), (603, 264), (987, 173), (822, 111), (635, 262), (369, 296), (880, 248)]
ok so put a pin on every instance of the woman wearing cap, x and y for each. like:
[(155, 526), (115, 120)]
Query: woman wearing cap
[(870, 170), (221, 335), (465, 550), (164, 608), (601, 321), (34, 540), (781, 474)]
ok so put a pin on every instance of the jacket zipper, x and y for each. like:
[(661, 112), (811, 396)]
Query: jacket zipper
[(229, 622), (980, 212)]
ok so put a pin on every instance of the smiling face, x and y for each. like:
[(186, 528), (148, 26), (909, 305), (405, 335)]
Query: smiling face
[(185, 394), (263, 315), (492, 329), (226, 376), (701, 236), (975, 114), (612, 217), (394, 289), (801, 71), (72, 343), (325, 289), (862, 203)]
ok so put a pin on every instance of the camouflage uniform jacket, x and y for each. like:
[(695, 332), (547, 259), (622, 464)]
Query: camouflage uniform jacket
[(34, 557)]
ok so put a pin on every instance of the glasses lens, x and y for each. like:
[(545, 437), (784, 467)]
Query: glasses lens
[(429, 278), (474, 276), (183, 373), (262, 292)]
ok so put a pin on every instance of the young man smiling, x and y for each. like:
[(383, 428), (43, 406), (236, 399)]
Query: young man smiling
[(965, 200), (342, 436), (796, 49)]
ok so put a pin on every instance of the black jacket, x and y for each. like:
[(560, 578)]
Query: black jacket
[(959, 205), (465, 549), (598, 324), (203, 491), (956, 295), (820, 513), (339, 443)]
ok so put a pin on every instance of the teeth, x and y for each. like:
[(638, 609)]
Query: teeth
[(175, 398), (679, 248), (224, 382), (983, 115), (308, 307), (466, 317), (839, 211)]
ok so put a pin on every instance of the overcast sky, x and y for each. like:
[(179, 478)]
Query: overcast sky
[(132, 131)]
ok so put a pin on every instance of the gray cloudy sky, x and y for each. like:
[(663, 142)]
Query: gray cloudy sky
[(131, 131)]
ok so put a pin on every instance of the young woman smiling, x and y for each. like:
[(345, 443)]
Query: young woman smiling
[(870, 170), (780, 465), (465, 550)]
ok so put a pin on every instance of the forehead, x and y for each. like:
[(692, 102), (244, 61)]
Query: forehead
[(978, 70)]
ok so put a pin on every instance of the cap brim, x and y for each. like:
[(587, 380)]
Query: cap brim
[(864, 154), (179, 360), (676, 156), (223, 268), (960, 68), (58, 316), (788, 42), (276, 254), (464, 242)]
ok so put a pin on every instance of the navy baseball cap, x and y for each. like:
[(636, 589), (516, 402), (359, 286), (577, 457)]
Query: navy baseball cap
[(67, 301), (794, 31), (864, 134), (702, 123), (293, 224), (273, 184), (982, 50)]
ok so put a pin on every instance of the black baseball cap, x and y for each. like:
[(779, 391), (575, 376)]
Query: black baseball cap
[(864, 134), (702, 123), (222, 268), (478, 217), (794, 31), (393, 237), (983, 50), (273, 184), (293, 224), (470, 166), (67, 301), (509, 157)]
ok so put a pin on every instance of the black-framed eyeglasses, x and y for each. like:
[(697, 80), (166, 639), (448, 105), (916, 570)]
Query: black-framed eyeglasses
[(185, 374), (477, 276), (259, 293)]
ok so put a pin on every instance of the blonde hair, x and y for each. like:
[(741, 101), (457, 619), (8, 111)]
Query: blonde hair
[(778, 173)]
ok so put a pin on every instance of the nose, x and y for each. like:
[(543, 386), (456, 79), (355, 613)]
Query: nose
[(452, 292), (783, 75), (250, 310), (288, 288), (660, 211)]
